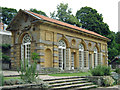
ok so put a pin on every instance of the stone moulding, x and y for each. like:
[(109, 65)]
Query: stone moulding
[(45, 42), (42, 60), (55, 55), (55, 49), (41, 54), (48, 42), (40, 48), (55, 61)]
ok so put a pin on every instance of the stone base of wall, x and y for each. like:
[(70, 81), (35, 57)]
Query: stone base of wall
[(99, 80), (96, 79), (22, 87), (58, 70), (6, 66)]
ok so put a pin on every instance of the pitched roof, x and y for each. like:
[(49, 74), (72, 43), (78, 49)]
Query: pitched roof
[(41, 17)]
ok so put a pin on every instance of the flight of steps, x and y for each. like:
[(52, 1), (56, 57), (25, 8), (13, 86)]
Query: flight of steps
[(75, 83)]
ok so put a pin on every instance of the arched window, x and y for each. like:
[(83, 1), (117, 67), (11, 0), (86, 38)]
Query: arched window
[(81, 55), (81, 47), (62, 54), (95, 56), (62, 44), (26, 39), (25, 48)]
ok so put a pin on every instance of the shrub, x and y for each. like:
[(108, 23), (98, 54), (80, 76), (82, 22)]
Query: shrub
[(101, 71), (28, 72), (117, 70), (108, 81), (1, 79), (5, 58), (5, 47), (13, 81)]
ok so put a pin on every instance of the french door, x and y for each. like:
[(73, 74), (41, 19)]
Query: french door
[(62, 58), (25, 53), (72, 60), (25, 49)]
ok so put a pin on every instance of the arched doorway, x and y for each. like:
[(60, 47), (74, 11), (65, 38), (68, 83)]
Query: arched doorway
[(62, 54), (81, 56), (26, 49), (95, 57), (48, 58)]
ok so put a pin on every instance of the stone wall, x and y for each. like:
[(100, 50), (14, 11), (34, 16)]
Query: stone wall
[(6, 39), (102, 80), (23, 87)]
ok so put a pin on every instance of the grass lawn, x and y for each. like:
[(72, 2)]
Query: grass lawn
[(72, 74), (7, 78)]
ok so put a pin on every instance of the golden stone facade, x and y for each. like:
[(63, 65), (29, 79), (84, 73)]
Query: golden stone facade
[(58, 44)]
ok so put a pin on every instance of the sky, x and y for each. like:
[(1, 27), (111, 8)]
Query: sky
[(108, 8)]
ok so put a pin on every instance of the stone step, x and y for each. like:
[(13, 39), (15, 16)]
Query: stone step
[(61, 78), (65, 80), (86, 87), (66, 83), (71, 86)]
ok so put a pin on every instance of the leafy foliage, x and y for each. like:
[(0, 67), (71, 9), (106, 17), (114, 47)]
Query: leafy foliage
[(8, 14), (108, 81), (5, 47), (28, 72), (5, 58), (118, 37), (113, 46), (64, 13), (13, 81), (1, 79), (92, 20), (117, 70), (38, 12), (101, 71)]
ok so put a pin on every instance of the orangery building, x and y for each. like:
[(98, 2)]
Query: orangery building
[(58, 44)]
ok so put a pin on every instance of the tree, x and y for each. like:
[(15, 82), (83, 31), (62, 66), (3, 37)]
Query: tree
[(112, 52), (92, 20), (8, 14), (64, 14), (38, 12), (113, 46), (118, 41), (118, 37)]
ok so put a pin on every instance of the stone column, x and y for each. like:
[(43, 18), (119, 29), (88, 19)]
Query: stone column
[(86, 53), (96, 60), (68, 59), (92, 60)]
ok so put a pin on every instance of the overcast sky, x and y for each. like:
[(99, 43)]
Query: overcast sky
[(108, 8)]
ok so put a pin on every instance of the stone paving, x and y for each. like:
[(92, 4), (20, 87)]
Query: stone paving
[(11, 73)]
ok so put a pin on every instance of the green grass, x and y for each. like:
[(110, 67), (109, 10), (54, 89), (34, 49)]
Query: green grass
[(72, 74), (7, 78)]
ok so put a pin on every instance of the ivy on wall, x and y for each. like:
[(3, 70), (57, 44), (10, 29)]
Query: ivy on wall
[(5, 58), (5, 47)]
